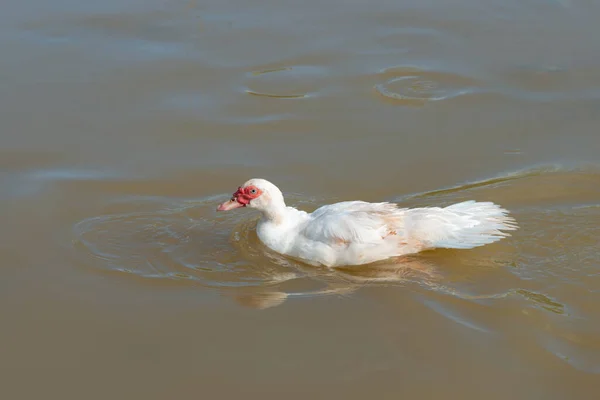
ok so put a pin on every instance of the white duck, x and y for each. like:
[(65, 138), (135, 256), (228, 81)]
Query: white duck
[(357, 232)]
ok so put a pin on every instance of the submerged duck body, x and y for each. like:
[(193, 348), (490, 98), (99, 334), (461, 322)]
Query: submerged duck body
[(358, 232)]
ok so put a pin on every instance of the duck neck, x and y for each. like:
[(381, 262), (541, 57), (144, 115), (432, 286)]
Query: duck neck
[(275, 214)]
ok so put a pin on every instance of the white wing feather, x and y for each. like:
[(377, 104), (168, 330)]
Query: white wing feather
[(350, 222)]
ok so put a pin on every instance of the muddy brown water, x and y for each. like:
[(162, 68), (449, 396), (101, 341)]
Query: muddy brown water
[(124, 124)]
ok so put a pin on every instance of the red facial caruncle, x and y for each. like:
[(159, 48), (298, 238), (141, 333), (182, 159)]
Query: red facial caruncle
[(245, 194), (241, 198)]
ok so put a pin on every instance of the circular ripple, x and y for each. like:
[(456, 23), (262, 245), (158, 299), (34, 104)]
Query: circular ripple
[(285, 82), (415, 86), (189, 242), (174, 241)]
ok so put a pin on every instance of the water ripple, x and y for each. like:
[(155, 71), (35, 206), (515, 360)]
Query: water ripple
[(172, 240), (287, 82), (410, 85)]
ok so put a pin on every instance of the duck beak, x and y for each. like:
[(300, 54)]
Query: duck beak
[(230, 205)]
